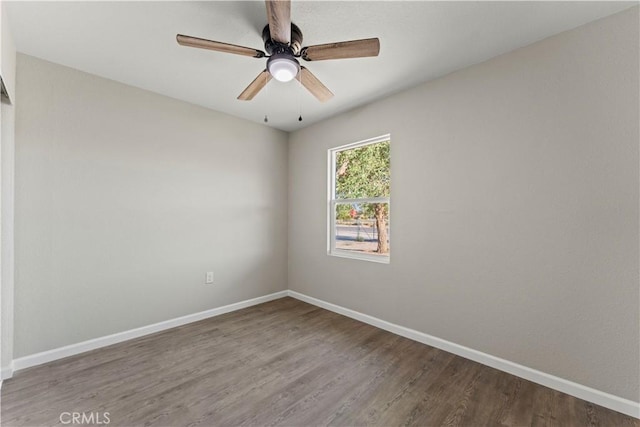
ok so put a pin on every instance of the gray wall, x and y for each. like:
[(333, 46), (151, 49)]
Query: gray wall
[(125, 198), (7, 149), (514, 208)]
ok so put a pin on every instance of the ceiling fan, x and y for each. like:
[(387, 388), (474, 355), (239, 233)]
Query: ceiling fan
[(283, 43)]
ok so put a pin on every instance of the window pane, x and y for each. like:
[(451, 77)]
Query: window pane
[(356, 228), (363, 172)]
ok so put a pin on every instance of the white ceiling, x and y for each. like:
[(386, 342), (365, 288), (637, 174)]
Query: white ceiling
[(134, 43)]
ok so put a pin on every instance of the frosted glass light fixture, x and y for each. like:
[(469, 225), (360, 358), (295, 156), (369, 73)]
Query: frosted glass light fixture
[(283, 67)]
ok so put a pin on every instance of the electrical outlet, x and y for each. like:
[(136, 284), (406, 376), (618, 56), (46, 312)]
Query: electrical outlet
[(209, 278)]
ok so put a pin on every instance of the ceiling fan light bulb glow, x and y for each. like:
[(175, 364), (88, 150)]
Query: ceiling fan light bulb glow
[(283, 69)]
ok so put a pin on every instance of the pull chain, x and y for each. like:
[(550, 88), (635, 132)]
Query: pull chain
[(300, 98), (266, 93)]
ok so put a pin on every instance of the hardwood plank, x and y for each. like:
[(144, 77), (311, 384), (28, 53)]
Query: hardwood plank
[(286, 362)]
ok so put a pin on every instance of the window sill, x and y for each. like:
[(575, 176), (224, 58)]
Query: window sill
[(380, 259)]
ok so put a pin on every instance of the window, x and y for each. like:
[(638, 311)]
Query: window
[(359, 200)]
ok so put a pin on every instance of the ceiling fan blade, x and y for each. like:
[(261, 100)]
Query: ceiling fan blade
[(218, 46), (340, 50), (279, 16), (255, 86), (314, 85)]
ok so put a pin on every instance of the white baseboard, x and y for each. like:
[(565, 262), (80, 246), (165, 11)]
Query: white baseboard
[(81, 347), (598, 397), (6, 372)]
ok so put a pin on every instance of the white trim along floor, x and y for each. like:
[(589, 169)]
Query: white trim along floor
[(598, 397)]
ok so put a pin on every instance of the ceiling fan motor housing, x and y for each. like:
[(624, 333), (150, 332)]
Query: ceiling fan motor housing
[(273, 47)]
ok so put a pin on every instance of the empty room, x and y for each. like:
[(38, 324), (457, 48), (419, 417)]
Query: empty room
[(309, 213)]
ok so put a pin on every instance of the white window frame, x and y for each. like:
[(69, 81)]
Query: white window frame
[(332, 202)]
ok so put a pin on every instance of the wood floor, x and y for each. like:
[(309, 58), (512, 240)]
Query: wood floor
[(285, 363)]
